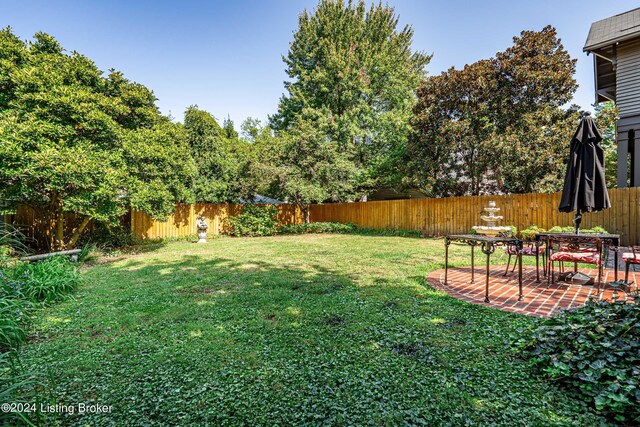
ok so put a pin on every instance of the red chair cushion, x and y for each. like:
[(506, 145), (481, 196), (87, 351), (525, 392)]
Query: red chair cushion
[(577, 249), (631, 258), (586, 257), (527, 250)]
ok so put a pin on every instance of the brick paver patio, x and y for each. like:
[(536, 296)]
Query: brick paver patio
[(538, 299)]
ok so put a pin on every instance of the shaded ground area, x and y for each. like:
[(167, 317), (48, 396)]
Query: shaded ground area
[(300, 330), (539, 299)]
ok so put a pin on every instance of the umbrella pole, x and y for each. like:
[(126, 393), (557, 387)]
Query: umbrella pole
[(577, 220)]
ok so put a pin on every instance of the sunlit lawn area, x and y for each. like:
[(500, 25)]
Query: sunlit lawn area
[(313, 329)]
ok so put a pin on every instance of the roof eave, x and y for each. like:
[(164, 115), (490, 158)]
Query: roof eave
[(610, 42)]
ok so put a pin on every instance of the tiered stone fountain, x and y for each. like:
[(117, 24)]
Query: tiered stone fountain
[(490, 229)]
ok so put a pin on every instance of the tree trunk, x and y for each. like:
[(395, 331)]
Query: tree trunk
[(51, 237), (78, 232), (59, 234), (306, 211)]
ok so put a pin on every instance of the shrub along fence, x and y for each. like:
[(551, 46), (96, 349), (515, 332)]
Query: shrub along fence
[(183, 221)]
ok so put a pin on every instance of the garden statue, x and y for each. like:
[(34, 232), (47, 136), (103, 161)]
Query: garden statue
[(201, 225)]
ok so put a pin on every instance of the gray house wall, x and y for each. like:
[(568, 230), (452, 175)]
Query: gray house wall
[(615, 44), (628, 78), (628, 103)]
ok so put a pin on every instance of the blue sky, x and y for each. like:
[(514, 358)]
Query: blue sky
[(225, 56)]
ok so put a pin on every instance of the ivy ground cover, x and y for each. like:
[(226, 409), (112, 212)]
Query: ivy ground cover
[(288, 330)]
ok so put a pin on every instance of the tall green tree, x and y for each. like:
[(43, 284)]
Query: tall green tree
[(262, 159), (75, 141), (300, 165), (606, 117), (312, 168), (496, 125), (219, 154), (229, 129), (353, 65), (533, 151), (159, 168)]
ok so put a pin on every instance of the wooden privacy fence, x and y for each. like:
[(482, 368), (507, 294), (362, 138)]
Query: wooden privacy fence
[(433, 217), (458, 214), (183, 221), (38, 227), (430, 216)]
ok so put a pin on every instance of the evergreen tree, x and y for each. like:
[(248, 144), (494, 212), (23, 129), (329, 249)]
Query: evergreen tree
[(229, 130)]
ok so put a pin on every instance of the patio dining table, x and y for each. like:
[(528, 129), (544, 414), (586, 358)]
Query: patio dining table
[(600, 240), (488, 246)]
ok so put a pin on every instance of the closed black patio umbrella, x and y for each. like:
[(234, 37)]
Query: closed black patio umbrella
[(585, 189)]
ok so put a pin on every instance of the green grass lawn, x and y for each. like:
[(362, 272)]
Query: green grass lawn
[(294, 330)]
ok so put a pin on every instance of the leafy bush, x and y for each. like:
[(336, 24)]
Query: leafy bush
[(594, 351), (108, 236), (386, 232), (19, 385), (529, 233), (317, 227), (26, 284), (21, 285), (512, 228), (343, 228), (14, 322), (89, 253), (596, 229), (255, 220), (11, 243), (559, 229), (47, 280), (14, 312), (572, 229)]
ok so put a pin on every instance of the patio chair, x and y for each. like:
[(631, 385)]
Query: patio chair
[(585, 254), (529, 249), (579, 248), (629, 258)]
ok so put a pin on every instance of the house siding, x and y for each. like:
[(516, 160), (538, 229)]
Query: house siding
[(628, 79), (624, 125)]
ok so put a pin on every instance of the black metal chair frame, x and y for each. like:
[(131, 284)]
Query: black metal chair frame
[(581, 246), (532, 245), (636, 255)]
